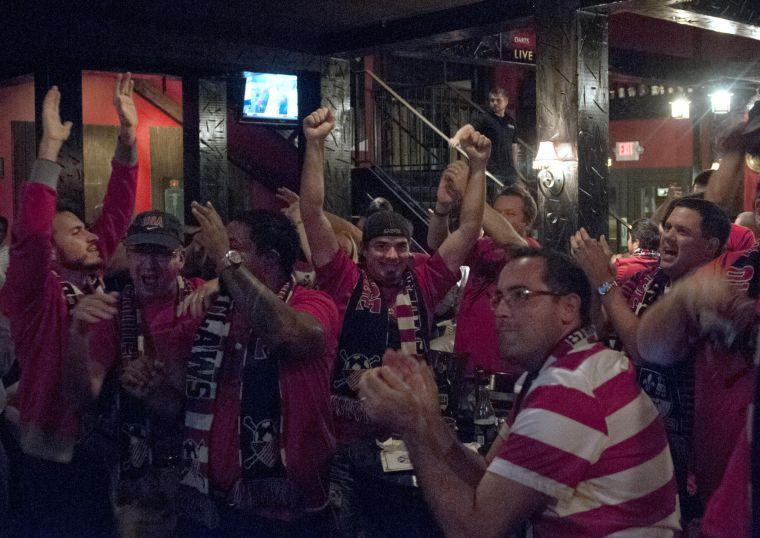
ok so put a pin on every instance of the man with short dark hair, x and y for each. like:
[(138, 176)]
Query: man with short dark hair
[(506, 225), (694, 233), (55, 260), (257, 443), (584, 452), (387, 300), (499, 127), (643, 249)]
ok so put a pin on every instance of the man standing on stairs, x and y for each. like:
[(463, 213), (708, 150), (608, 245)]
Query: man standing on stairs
[(499, 127), (386, 302)]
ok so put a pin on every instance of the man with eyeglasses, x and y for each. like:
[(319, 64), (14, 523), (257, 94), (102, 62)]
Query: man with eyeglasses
[(131, 347), (54, 261), (585, 451)]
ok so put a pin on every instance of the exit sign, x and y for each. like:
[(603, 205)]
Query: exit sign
[(628, 151)]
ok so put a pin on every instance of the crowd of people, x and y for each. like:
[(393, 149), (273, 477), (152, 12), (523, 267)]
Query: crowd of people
[(245, 379)]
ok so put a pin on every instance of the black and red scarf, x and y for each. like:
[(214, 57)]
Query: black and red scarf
[(368, 330), (263, 482)]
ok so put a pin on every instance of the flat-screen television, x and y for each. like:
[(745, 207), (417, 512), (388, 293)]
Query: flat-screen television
[(270, 97)]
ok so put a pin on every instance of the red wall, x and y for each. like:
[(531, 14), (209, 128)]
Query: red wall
[(97, 109), (16, 104), (667, 142), (510, 77)]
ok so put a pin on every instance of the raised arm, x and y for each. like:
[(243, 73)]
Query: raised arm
[(456, 247), (31, 247), (465, 498), (292, 210), (726, 185), (278, 324), (119, 202), (451, 189), (699, 306), (324, 245), (594, 258)]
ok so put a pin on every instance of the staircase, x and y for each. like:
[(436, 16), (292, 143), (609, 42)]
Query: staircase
[(404, 146)]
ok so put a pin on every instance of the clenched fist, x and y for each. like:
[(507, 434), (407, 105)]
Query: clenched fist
[(318, 124)]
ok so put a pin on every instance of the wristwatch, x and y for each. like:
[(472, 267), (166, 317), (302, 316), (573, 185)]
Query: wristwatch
[(605, 288), (231, 259)]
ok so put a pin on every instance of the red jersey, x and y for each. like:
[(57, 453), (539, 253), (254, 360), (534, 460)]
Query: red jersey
[(33, 300), (306, 419), (476, 324), (739, 238), (641, 260), (723, 381)]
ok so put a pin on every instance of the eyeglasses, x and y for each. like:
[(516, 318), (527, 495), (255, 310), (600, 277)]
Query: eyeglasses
[(519, 295), (160, 254)]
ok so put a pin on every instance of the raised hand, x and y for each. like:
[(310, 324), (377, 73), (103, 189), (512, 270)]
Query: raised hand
[(453, 183), (292, 202), (54, 133), (401, 395), (213, 236), (125, 107), (592, 255), (476, 146), (199, 300), (318, 124)]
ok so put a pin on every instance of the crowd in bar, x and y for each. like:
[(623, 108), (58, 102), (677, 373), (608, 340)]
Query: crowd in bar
[(295, 372)]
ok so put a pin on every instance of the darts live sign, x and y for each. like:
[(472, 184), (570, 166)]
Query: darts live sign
[(521, 45)]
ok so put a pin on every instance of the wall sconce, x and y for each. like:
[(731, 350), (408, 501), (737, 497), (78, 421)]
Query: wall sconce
[(551, 161), (720, 101), (679, 108)]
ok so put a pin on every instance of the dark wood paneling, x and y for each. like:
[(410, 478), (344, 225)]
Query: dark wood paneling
[(214, 173), (166, 162), (23, 140), (98, 147)]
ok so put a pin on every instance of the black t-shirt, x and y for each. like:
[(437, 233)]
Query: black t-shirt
[(502, 133)]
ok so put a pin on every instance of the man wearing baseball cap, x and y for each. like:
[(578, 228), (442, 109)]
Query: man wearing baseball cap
[(386, 302), (144, 333)]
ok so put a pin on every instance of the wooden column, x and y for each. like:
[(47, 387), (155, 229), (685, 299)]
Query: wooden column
[(214, 171), (69, 82), (572, 107)]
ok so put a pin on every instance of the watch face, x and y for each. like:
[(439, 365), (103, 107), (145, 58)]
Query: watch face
[(234, 257)]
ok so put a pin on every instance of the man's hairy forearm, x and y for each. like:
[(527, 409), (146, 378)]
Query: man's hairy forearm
[(500, 230), (449, 474), (277, 324), (312, 180), (438, 230)]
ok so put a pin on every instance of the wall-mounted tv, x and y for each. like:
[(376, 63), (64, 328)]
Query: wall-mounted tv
[(270, 97)]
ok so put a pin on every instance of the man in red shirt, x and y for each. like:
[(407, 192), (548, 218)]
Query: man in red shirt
[(585, 453), (54, 260), (706, 322), (257, 443), (387, 301), (139, 333), (506, 226), (694, 232), (643, 249)]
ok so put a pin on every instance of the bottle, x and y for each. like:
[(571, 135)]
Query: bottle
[(174, 200), (484, 417), (444, 389)]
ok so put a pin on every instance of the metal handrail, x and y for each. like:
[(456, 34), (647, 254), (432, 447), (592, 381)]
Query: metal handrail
[(427, 122)]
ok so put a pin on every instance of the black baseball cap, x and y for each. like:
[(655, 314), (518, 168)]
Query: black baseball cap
[(155, 228), (386, 223)]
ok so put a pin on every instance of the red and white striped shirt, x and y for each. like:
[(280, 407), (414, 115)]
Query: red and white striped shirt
[(587, 436)]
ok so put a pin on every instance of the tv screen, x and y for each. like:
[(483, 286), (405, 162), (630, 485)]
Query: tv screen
[(270, 97)]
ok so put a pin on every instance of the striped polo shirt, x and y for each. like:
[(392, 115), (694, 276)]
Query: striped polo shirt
[(588, 437)]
